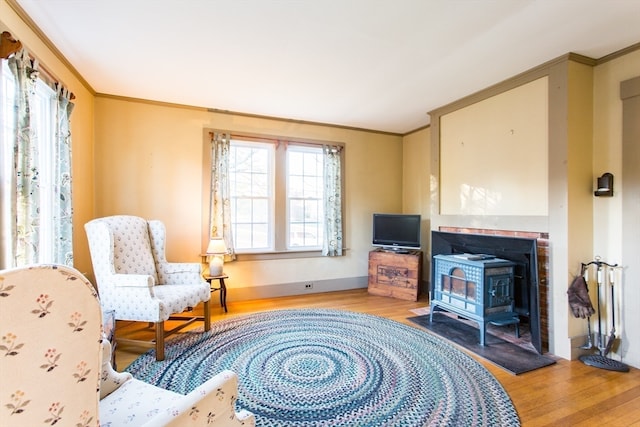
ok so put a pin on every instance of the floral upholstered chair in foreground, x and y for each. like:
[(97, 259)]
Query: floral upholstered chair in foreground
[(55, 365), (136, 282)]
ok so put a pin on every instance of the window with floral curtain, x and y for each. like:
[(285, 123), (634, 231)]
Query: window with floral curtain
[(270, 195), (219, 207), (36, 203)]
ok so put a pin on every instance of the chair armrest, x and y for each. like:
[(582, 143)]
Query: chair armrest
[(131, 280), (179, 273), (211, 403), (181, 267), (110, 380)]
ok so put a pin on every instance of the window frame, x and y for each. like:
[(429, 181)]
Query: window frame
[(302, 148), (7, 95), (280, 228), (271, 168), (46, 142)]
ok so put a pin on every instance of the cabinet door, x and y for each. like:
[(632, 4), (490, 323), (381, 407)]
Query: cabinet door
[(394, 275)]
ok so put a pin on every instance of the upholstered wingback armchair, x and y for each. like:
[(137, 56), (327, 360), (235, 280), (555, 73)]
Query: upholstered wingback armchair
[(135, 280), (55, 365)]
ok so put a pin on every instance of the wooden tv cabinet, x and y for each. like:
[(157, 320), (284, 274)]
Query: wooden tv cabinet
[(394, 274)]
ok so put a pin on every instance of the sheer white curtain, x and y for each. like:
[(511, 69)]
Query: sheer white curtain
[(220, 203), (332, 245)]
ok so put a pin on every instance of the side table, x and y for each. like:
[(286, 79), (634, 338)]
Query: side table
[(221, 287)]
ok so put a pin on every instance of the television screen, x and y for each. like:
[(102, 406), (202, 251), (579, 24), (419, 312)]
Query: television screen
[(396, 231)]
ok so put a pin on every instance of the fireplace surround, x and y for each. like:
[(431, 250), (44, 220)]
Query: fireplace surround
[(528, 253)]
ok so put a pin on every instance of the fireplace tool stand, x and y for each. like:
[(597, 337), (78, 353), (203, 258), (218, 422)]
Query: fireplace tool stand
[(600, 359)]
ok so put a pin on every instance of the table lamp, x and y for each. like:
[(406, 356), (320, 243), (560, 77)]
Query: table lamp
[(216, 251)]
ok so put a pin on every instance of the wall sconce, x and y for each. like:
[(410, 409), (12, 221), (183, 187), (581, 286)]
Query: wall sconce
[(605, 186), (216, 251)]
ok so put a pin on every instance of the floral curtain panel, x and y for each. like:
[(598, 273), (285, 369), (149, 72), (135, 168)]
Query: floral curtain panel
[(220, 204), (25, 229), (332, 245), (63, 209)]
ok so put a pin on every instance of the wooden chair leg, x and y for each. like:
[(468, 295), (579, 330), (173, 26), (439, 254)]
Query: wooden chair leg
[(207, 315), (159, 341)]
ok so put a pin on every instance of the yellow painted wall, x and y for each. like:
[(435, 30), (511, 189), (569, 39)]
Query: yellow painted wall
[(493, 154), (607, 212), (575, 245), (148, 163), (607, 147), (82, 120), (416, 155)]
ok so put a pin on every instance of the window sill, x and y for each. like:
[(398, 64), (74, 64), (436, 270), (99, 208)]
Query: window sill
[(265, 256)]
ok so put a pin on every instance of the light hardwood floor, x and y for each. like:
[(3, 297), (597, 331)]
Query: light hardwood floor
[(567, 393)]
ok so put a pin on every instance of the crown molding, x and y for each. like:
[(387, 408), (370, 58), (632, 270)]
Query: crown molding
[(48, 43)]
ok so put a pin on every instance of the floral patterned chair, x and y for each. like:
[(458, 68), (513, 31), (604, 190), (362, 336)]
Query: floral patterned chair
[(136, 282), (55, 365)]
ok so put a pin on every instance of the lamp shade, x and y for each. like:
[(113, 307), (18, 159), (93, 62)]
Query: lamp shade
[(216, 246)]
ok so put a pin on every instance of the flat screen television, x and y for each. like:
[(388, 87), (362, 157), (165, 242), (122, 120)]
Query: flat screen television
[(396, 232)]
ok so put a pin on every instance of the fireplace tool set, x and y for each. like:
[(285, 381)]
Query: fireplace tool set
[(581, 306)]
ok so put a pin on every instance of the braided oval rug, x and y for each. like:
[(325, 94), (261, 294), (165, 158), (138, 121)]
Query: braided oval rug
[(322, 367)]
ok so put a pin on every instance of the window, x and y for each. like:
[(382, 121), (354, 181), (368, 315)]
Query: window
[(43, 114), (30, 201), (276, 195), (7, 96), (251, 179), (305, 207)]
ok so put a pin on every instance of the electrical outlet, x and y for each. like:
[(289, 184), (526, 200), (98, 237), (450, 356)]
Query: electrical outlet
[(308, 285)]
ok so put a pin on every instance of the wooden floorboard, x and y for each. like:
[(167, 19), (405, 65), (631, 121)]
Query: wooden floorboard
[(567, 393)]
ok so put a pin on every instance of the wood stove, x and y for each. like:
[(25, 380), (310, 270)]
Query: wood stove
[(476, 287), (530, 288)]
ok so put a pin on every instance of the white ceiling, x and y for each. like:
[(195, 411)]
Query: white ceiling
[(373, 64)]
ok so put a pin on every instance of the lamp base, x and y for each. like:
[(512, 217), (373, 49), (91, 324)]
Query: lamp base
[(216, 265)]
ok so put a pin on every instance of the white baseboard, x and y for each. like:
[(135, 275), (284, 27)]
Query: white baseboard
[(296, 288)]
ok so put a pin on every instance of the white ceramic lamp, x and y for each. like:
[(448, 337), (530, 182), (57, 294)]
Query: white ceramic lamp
[(216, 251)]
